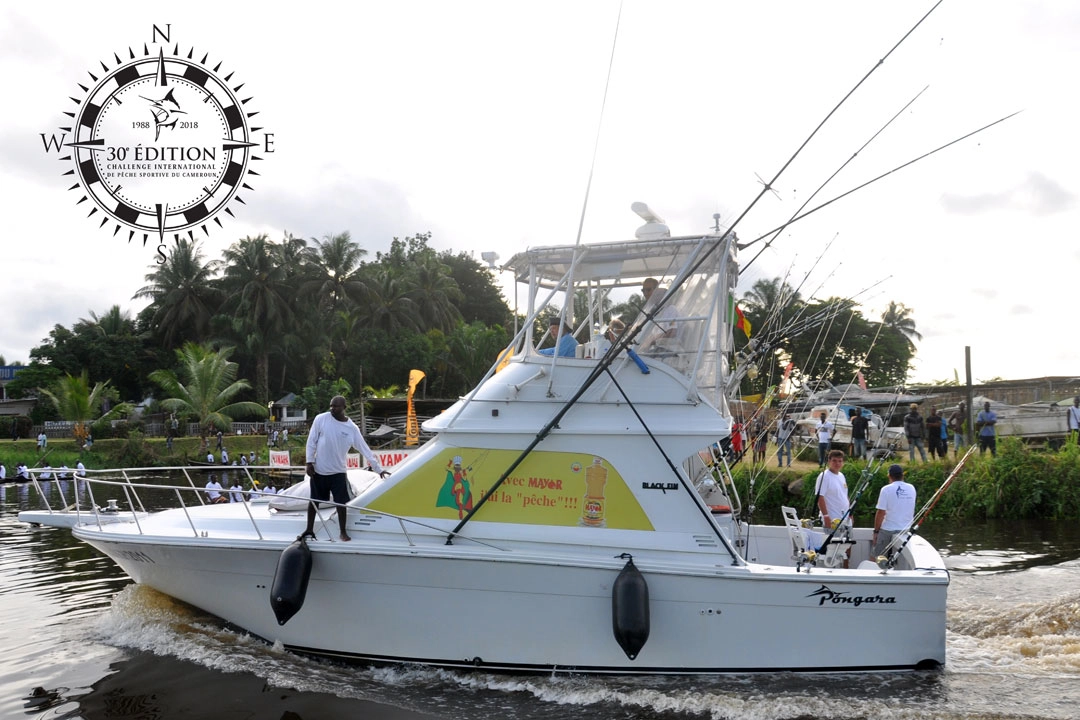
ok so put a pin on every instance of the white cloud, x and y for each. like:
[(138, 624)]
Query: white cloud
[(477, 120)]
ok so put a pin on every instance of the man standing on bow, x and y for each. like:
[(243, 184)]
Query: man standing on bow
[(332, 435)]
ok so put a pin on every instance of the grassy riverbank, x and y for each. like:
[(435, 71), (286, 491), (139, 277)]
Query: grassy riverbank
[(137, 451), (1019, 483)]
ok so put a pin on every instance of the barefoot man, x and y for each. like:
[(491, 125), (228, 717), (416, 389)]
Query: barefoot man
[(332, 435)]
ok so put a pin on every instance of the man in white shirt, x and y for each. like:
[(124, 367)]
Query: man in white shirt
[(832, 492), (236, 491), (331, 437), (832, 496), (824, 430), (214, 489), (895, 510)]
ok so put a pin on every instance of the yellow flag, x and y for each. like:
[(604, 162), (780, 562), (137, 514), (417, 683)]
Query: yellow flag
[(504, 358)]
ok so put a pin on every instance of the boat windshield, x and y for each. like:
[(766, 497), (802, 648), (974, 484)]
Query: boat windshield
[(685, 324)]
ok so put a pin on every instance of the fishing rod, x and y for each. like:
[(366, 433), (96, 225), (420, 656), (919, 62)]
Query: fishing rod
[(768, 186), (829, 179), (881, 176), (625, 340), (907, 533), (864, 482), (869, 470)]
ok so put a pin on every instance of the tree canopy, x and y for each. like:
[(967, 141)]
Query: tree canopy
[(296, 312), (834, 350)]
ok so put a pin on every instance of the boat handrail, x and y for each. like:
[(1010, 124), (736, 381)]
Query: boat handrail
[(130, 487)]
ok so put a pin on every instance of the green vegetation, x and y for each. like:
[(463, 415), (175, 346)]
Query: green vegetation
[(296, 312), (136, 450), (882, 350), (1019, 483), (205, 389), (74, 400)]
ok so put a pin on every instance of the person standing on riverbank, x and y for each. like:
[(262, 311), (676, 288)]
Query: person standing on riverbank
[(933, 434), (984, 423), (824, 430), (915, 429), (860, 426), (331, 436), (1074, 419), (956, 423), (784, 430)]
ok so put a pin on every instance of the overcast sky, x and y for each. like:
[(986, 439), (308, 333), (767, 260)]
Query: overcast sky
[(477, 121)]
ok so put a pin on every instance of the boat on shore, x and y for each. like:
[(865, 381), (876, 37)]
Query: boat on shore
[(568, 515), (880, 436), (1037, 422)]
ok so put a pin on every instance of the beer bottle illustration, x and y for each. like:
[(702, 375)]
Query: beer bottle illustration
[(592, 507)]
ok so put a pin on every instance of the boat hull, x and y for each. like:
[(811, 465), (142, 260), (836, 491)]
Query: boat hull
[(460, 607)]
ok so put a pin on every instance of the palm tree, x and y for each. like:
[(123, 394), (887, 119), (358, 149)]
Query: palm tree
[(205, 389), (76, 401), (258, 301), (335, 280), (766, 298), (111, 323), (898, 317), (436, 294), (183, 296), (389, 306)]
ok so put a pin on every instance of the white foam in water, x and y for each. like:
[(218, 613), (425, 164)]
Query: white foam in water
[(989, 644)]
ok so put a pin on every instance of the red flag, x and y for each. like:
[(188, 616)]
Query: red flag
[(862, 381), (742, 323)]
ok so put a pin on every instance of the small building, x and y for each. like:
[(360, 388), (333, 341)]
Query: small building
[(284, 411)]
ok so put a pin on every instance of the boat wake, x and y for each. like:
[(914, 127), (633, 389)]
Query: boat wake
[(1041, 636), (1039, 640)]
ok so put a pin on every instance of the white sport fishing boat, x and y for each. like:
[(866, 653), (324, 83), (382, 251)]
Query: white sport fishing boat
[(555, 523)]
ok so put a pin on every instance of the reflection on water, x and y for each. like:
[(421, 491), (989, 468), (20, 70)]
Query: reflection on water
[(1001, 545), (81, 641)]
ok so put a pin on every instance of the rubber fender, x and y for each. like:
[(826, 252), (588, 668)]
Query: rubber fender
[(290, 580), (630, 610)]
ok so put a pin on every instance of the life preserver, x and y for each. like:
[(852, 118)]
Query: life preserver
[(720, 509)]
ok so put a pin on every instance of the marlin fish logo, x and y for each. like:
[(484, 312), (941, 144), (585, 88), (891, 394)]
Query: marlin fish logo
[(840, 597), (825, 594), (165, 112)]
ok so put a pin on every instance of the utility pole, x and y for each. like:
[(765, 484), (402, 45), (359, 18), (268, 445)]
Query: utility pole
[(971, 396)]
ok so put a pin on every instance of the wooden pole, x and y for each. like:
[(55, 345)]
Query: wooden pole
[(969, 436)]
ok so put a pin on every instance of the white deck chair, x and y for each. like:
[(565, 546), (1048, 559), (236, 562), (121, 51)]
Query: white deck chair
[(800, 549)]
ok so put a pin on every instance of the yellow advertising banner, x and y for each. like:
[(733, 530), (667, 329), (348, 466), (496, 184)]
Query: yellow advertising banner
[(547, 488), (412, 427)]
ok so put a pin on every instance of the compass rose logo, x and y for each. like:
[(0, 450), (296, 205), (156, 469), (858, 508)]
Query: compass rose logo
[(161, 144)]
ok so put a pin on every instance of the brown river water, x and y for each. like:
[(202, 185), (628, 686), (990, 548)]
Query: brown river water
[(79, 640)]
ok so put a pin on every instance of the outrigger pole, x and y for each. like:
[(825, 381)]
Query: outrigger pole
[(624, 341)]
